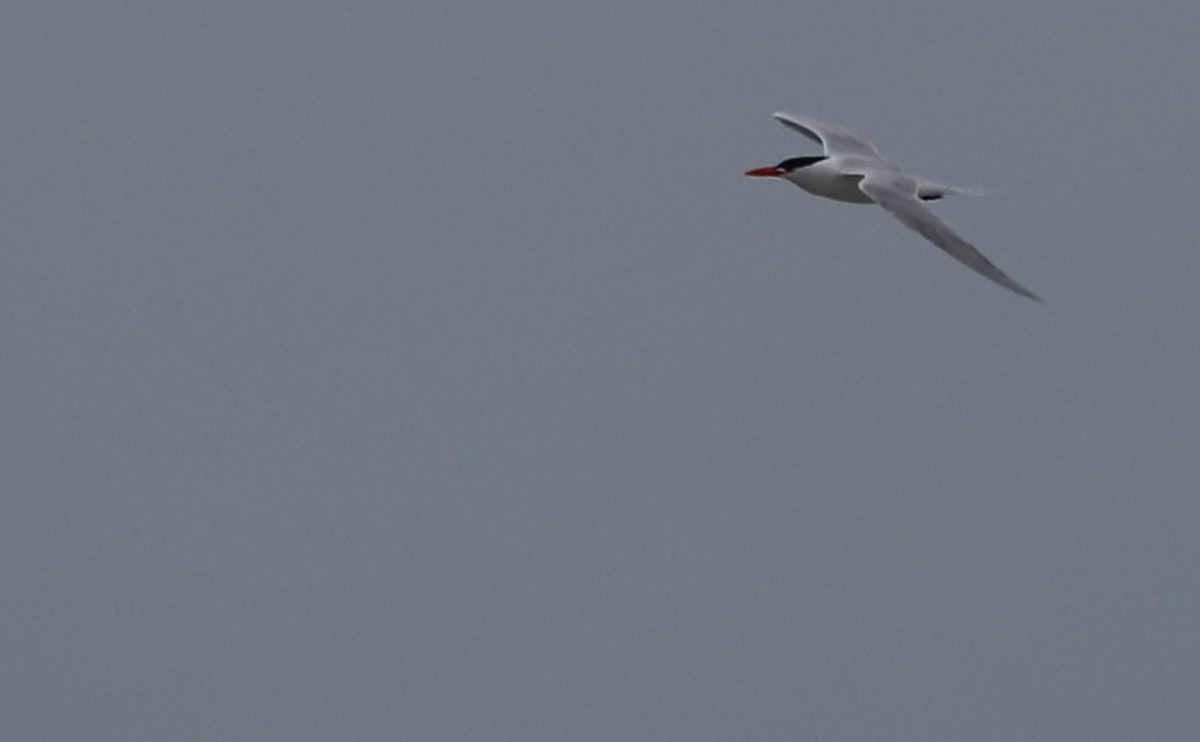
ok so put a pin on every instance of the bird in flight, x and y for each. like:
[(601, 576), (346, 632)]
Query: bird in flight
[(851, 169)]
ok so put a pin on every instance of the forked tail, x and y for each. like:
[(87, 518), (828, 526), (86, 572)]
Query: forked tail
[(927, 190)]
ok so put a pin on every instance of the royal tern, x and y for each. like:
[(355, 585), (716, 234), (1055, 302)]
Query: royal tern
[(852, 170)]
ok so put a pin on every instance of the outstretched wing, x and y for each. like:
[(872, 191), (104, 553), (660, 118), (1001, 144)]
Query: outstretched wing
[(897, 193), (835, 140)]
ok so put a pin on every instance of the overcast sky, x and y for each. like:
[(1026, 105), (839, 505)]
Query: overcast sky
[(429, 371)]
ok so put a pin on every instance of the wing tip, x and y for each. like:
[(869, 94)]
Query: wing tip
[(1011, 284)]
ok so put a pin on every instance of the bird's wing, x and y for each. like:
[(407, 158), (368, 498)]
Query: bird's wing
[(835, 140), (897, 193)]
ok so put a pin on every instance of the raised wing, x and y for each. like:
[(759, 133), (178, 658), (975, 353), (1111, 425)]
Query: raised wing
[(897, 193), (835, 140)]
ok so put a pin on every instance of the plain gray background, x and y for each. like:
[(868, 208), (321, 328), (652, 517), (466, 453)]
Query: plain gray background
[(429, 371)]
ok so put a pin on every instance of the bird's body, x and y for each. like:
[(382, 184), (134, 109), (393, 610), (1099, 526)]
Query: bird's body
[(852, 170), (826, 177)]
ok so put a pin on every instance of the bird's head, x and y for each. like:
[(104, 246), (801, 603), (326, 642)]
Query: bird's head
[(785, 168)]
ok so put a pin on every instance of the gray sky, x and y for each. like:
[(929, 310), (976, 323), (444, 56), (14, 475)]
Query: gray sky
[(432, 373)]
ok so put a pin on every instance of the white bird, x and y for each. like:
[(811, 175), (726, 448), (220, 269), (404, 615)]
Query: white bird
[(852, 170)]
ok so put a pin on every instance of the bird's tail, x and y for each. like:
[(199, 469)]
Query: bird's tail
[(927, 190)]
